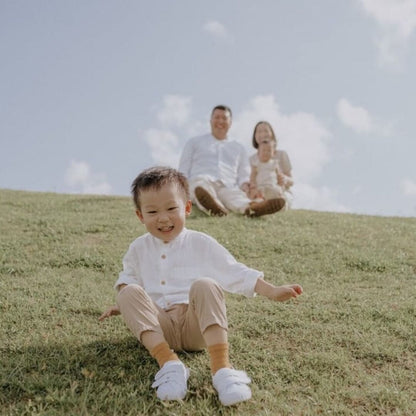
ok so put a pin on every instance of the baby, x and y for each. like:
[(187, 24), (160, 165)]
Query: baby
[(265, 173)]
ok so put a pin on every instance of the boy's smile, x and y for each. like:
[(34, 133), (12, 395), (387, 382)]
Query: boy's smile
[(163, 211)]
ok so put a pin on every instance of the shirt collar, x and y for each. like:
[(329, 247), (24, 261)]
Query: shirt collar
[(160, 243), (218, 140)]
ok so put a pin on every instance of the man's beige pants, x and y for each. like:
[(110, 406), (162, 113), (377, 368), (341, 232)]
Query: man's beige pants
[(182, 325), (232, 199)]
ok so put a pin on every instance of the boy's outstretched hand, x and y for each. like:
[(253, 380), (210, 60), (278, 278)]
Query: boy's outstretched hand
[(286, 292), (277, 293), (111, 311)]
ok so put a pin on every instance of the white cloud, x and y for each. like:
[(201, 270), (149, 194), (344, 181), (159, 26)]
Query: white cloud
[(316, 198), (397, 22), (80, 177), (400, 14), (355, 117), (166, 140), (175, 111), (97, 188), (408, 187), (77, 173), (217, 30), (360, 120), (164, 147)]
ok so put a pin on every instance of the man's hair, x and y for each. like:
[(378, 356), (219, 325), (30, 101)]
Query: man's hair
[(255, 144), (223, 108), (155, 178)]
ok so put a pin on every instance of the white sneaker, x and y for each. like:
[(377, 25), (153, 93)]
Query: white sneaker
[(231, 386), (171, 380)]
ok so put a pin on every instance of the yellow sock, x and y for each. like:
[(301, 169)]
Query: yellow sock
[(162, 353), (218, 354)]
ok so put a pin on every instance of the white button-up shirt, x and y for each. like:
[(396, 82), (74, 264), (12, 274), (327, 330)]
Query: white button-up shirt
[(167, 270), (225, 160)]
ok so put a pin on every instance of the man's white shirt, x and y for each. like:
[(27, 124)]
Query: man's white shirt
[(224, 160)]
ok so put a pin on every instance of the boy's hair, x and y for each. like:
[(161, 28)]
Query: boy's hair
[(155, 178), (255, 144), (223, 108)]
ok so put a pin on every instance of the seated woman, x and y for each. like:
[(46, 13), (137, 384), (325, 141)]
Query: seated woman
[(269, 159)]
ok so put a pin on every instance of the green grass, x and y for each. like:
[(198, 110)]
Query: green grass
[(345, 347)]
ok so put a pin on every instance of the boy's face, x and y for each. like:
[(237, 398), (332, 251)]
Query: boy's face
[(163, 211)]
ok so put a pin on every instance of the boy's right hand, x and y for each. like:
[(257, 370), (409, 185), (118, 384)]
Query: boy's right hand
[(111, 311), (285, 292)]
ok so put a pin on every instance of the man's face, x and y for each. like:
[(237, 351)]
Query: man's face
[(220, 123)]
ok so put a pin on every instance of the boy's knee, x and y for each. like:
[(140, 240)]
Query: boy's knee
[(128, 292), (204, 285)]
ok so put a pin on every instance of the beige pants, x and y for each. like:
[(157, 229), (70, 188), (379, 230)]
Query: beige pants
[(182, 325), (233, 199)]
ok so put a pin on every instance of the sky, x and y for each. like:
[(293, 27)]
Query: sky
[(94, 91)]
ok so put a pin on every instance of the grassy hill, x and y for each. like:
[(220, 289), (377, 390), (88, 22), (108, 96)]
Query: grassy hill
[(346, 347)]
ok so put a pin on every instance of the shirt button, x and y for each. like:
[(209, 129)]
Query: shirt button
[(163, 256), (162, 282)]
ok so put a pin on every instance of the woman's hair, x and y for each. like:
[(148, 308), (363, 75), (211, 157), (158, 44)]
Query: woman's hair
[(155, 178), (255, 144)]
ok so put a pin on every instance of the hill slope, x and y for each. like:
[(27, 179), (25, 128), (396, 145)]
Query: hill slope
[(347, 346)]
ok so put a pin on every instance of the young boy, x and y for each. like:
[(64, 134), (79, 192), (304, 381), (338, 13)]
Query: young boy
[(170, 292)]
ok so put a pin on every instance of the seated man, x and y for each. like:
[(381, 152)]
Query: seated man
[(217, 169)]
